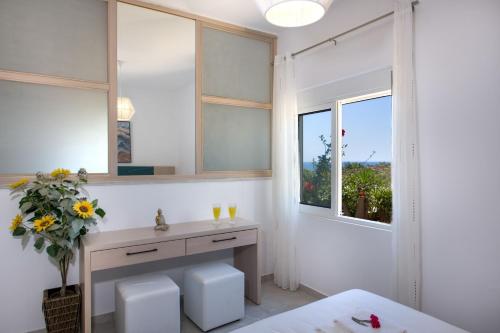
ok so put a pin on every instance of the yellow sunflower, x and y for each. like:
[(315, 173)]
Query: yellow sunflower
[(60, 173), (19, 183), (16, 221), (83, 209), (43, 223)]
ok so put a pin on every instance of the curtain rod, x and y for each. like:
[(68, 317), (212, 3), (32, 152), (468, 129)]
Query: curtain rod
[(334, 38)]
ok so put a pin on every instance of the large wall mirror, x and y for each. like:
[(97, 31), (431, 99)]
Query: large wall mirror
[(156, 92)]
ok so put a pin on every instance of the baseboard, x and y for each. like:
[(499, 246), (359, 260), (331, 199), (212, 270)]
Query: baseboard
[(311, 291), (267, 277), (103, 318), (308, 290)]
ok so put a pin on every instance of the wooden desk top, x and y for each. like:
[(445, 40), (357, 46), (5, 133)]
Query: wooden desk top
[(129, 237)]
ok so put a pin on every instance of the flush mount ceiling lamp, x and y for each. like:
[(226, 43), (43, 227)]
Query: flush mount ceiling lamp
[(124, 108), (293, 13)]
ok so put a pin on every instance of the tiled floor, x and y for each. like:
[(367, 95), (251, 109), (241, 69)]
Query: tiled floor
[(274, 301)]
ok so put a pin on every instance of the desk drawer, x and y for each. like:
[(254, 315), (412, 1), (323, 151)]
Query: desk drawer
[(220, 241), (136, 254)]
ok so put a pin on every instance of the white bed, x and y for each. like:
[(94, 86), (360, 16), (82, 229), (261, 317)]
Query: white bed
[(320, 315)]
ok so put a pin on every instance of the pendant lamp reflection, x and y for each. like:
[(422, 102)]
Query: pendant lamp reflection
[(124, 108)]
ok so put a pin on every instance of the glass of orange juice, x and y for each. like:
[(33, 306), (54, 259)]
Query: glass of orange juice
[(216, 212), (232, 212)]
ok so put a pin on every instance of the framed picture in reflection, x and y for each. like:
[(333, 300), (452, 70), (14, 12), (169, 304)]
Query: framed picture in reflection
[(124, 142)]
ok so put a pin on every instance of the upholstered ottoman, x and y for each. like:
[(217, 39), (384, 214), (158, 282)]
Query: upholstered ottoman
[(147, 304), (214, 295)]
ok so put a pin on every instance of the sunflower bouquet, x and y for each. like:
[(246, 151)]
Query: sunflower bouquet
[(56, 211)]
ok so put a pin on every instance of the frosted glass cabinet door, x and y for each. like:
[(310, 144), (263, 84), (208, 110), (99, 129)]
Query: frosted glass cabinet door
[(46, 127), (236, 139), (57, 37), (236, 67)]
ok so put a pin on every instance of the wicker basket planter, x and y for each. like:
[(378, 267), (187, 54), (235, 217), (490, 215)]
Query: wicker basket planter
[(62, 314)]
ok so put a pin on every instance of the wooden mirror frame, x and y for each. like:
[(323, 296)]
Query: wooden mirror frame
[(111, 88)]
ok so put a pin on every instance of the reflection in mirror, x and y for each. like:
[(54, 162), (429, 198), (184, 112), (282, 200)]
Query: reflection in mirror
[(156, 79)]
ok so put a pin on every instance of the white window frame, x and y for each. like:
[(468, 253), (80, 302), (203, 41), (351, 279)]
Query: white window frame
[(333, 213)]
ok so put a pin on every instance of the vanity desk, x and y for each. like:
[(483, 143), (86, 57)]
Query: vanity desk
[(111, 249)]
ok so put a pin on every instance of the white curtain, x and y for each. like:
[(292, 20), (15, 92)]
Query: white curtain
[(285, 173), (406, 217)]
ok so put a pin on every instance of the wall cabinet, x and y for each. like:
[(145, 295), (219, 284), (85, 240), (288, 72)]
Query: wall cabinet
[(201, 90)]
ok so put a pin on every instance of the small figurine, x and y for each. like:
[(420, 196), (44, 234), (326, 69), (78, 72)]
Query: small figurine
[(82, 175), (161, 224)]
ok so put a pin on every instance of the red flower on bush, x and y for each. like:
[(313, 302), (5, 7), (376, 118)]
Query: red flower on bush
[(308, 186)]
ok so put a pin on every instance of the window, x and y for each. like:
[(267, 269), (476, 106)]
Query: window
[(361, 133), (365, 140), (316, 161)]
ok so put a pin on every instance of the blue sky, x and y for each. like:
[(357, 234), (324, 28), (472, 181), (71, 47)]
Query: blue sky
[(368, 128)]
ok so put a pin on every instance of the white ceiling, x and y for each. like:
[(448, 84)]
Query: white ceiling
[(241, 12)]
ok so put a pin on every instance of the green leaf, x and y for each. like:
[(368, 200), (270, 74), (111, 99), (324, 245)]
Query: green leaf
[(19, 231), (25, 206), (53, 250), (67, 204), (58, 213), (39, 243), (76, 225), (100, 212), (54, 195), (73, 234), (53, 227), (94, 203)]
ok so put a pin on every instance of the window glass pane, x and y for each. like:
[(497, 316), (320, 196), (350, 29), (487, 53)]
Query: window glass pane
[(45, 127), (57, 37), (366, 159), (236, 139), (316, 157), (236, 67)]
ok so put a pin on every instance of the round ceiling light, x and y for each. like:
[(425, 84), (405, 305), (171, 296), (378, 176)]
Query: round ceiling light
[(294, 13)]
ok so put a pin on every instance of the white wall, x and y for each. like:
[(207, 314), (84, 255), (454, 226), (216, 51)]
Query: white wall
[(25, 273), (458, 84), (458, 79)]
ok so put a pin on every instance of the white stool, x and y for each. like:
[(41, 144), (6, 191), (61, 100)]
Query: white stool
[(214, 295), (147, 304)]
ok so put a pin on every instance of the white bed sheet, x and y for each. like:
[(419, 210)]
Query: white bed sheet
[(320, 315)]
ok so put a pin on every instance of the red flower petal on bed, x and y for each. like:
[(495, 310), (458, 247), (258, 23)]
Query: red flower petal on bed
[(374, 321)]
